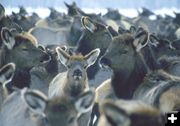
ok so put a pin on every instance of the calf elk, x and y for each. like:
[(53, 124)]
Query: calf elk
[(32, 108), (74, 81)]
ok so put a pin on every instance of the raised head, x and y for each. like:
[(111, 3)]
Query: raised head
[(22, 49), (96, 35), (77, 66), (123, 52)]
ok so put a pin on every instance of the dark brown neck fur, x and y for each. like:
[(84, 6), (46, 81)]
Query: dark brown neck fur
[(125, 83)]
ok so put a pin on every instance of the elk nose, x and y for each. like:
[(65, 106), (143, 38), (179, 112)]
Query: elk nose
[(46, 58), (77, 73), (104, 62)]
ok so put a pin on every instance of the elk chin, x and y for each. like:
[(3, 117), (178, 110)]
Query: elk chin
[(104, 66), (76, 89), (104, 63), (76, 92)]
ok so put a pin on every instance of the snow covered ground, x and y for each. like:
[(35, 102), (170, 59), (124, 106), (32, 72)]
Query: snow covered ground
[(44, 12)]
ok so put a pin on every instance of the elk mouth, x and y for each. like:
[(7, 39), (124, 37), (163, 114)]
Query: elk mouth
[(76, 89), (45, 59), (104, 63), (77, 78)]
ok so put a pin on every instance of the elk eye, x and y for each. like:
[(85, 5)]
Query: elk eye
[(123, 51), (71, 120), (24, 49), (68, 66)]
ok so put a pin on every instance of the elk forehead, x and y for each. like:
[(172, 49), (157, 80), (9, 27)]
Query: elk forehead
[(125, 38), (60, 104), (77, 60), (78, 57)]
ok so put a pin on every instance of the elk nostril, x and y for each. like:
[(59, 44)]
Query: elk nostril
[(77, 73), (105, 62), (45, 58)]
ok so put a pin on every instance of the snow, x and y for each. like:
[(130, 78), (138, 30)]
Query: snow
[(44, 12)]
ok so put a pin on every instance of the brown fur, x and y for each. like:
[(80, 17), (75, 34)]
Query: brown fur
[(24, 53), (32, 108), (29, 37), (41, 23), (66, 83), (104, 91), (126, 38), (170, 100), (128, 113), (161, 90), (126, 63)]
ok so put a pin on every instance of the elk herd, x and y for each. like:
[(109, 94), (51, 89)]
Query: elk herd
[(87, 69)]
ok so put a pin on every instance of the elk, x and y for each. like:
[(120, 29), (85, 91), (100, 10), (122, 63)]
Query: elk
[(129, 113), (161, 90), (21, 49), (95, 35), (72, 82), (33, 108)]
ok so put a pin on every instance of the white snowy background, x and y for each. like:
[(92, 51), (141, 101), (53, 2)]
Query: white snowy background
[(126, 7)]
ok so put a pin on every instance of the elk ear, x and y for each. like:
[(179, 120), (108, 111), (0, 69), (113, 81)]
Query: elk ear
[(88, 24), (35, 100), (64, 48), (154, 40), (141, 40), (7, 73), (175, 13), (42, 47), (67, 5), (68, 50), (85, 101), (114, 114), (121, 30), (7, 38), (112, 31), (132, 29), (2, 11), (92, 57), (62, 56)]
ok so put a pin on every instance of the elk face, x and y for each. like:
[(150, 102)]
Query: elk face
[(59, 111), (22, 50), (77, 66)]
